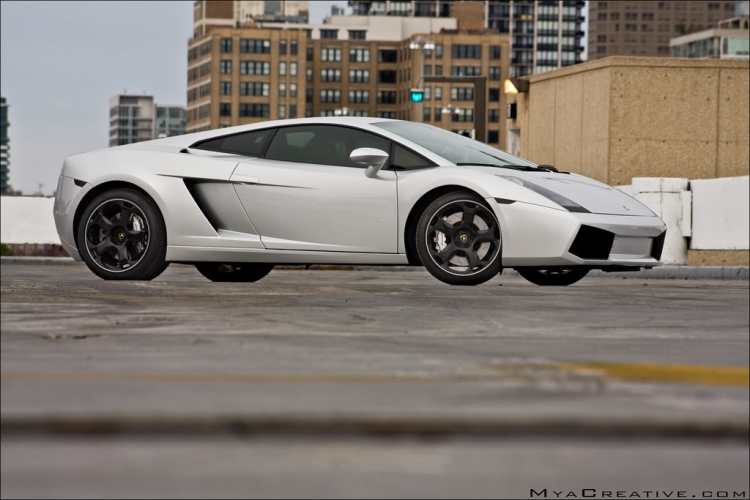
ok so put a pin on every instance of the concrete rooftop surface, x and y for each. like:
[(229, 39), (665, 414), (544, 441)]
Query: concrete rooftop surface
[(368, 384)]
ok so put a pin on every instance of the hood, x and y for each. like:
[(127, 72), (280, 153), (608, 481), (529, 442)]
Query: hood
[(594, 196)]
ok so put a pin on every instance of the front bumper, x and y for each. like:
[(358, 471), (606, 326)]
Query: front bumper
[(536, 236)]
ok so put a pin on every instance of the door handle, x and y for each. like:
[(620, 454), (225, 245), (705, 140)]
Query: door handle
[(245, 179)]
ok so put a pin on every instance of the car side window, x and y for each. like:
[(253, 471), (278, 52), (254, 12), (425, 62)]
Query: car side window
[(403, 159), (322, 144), (247, 144)]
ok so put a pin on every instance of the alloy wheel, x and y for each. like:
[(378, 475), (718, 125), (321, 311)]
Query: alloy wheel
[(117, 235), (463, 237)]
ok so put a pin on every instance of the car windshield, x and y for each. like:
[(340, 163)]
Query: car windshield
[(451, 146)]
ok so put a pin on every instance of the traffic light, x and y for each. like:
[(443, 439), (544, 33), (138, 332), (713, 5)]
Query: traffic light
[(417, 95)]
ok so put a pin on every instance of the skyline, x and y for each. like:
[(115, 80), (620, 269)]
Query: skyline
[(61, 62)]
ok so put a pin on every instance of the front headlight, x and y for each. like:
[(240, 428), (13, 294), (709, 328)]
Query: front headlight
[(569, 205)]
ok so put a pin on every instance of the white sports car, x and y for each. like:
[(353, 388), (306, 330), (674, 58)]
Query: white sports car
[(236, 201)]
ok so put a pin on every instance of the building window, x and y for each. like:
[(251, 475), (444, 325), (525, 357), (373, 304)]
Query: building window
[(438, 115), (359, 55), (463, 115), (466, 51), (282, 47), (293, 69), (293, 111), (330, 54), (438, 93), (330, 95), (386, 97), (387, 56), (254, 89), (426, 113), (282, 89), (282, 111), (308, 112), (309, 73), (462, 93), (226, 45), (387, 114), (601, 50), (439, 70), (252, 46), (614, 16), (495, 73), (225, 109), (310, 54), (225, 88), (439, 51), (254, 110), (494, 52), (493, 136), (466, 71), (357, 34), (293, 47), (387, 76), (494, 95), (329, 34), (309, 95), (282, 68), (292, 90), (428, 70), (601, 38), (359, 75), (226, 67), (255, 68), (330, 75), (494, 116), (359, 96)]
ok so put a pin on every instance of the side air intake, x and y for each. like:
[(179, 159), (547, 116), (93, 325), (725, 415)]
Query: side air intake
[(592, 243), (658, 246)]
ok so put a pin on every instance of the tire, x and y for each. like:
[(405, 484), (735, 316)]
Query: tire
[(122, 236), (553, 277), (224, 272), (455, 249)]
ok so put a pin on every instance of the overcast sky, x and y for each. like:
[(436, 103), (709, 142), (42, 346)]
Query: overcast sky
[(60, 62)]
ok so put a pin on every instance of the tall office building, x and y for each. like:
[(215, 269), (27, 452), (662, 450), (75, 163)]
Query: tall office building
[(644, 28), (4, 145), (170, 121), (235, 13), (131, 119), (353, 65), (544, 34)]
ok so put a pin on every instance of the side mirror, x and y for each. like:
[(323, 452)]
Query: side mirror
[(372, 158)]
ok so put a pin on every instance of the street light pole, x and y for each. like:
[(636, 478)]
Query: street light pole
[(420, 45)]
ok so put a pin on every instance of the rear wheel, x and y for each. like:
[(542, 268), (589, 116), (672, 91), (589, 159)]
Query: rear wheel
[(224, 272), (458, 239), (122, 236), (553, 277)]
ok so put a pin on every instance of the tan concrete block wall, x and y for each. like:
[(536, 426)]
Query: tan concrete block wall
[(733, 156), (595, 124), (718, 258), (541, 133)]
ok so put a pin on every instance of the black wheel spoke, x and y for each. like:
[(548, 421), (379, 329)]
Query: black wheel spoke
[(444, 227), (111, 239), (467, 218), (485, 237)]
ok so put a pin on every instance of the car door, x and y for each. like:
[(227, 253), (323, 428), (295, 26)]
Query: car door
[(306, 194)]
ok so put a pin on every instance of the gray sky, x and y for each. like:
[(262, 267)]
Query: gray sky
[(60, 62)]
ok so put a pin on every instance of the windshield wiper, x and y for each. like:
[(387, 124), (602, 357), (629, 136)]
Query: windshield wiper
[(509, 165)]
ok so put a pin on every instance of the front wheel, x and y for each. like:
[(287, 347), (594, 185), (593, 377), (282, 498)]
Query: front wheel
[(245, 273), (553, 277), (458, 239)]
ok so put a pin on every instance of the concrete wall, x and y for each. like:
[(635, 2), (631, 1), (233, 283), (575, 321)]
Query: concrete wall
[(25, 219), (624, 117), (720, 217)]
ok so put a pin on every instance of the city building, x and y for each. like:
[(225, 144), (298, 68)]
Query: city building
[(645, 28), (4, 145), (544, 34), (730, 39), (170, 121), (233, 14), (358, 66), (131, 119)]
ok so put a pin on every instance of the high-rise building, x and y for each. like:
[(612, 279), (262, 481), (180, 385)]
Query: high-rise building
[(131, 119), (644, 28), (353, 65), (729, 40), (4, 145), (544, 34), (235, 13), (170, 121)]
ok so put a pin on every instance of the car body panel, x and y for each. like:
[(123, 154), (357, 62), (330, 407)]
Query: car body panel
[(221, 207)]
